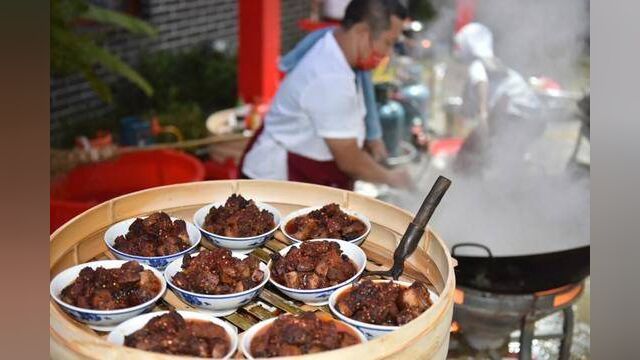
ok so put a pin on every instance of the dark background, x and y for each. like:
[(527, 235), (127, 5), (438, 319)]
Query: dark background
[(181, 25)]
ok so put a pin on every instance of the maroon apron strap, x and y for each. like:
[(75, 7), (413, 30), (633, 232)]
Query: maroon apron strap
[(304, 169), (307, 170), (248, 148)]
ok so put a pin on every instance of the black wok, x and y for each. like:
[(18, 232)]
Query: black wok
[(520, 274)]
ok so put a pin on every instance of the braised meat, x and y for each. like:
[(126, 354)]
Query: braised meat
[(172, 334), (155, 235), (384, 303), (305, 333), (328, 222), (110, 289), (314, 265), (218, 272), (238, 217)]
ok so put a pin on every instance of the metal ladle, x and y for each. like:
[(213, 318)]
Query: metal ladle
[(415, 230)]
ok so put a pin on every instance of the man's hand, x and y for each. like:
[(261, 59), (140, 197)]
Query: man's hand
[(377, 149), (399, 178), (358, 164)]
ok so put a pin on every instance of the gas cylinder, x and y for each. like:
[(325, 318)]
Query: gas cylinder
[(392, 119), (414, 99)]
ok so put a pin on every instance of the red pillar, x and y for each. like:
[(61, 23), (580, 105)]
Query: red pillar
[(259, 49)]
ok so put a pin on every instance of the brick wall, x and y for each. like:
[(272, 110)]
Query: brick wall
[(291, 12), (180, 25)]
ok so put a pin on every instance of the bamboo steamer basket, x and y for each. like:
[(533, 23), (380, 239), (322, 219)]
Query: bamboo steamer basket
[(81, 240)]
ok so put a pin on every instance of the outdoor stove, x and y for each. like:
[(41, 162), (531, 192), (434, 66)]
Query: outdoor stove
[(486, 319)]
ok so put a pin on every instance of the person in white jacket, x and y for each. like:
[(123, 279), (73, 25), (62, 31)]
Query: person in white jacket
[(500, 101)]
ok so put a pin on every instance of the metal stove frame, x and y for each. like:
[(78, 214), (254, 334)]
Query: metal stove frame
[(504, 313)]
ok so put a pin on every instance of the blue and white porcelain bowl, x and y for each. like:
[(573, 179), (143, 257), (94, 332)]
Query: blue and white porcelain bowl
[(216, 305), (357, 241), (132, 325), (247, 337), (103, 320), (237, 244), (319, 297), (369, 330), (158, 262)]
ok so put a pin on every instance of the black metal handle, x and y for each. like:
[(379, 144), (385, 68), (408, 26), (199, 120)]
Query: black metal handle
[(416, 227), (459, 245), (432, 200)]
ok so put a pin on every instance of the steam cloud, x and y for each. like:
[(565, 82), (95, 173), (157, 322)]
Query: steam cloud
[(541, 36), (514, 209)]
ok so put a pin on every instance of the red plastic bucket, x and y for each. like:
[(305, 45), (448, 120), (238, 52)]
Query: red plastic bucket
[(89, 185), (215, 170)]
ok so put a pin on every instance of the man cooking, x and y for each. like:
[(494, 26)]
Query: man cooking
[(501, 101), (315, 130)]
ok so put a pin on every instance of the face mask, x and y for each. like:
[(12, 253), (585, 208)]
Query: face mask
[(372, 61)]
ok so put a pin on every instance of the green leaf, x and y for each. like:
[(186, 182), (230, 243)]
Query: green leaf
[(98, 85), (67, 54), (65, 11), (127, 22), (113, 63), (78, 52)]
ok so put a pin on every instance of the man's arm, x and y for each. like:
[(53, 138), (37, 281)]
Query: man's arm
[(482, 89), (358, 164), (376, 149)]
